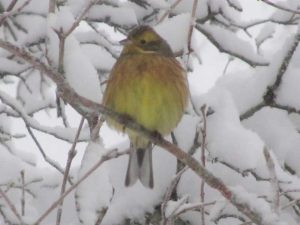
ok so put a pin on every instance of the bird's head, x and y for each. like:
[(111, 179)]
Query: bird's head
[(144, 40)]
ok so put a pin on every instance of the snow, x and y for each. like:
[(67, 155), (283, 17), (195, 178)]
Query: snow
[(185, 131), (135, 201), (231, 43), (277, 131), (80, 72), (173, 207), (94, 194), (217, 209), (36, 6), (11, 67), (258, 205), (35, 29), (78, 69), (29, 92), (122, 15), (158, 4), (227, 139), (287, 94), (234, 145), (248, 86), (265, 33), (187, 5), (99, 57), (169, 31), (57, 131)]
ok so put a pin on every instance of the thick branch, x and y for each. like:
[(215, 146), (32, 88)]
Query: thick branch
[(87, 107)]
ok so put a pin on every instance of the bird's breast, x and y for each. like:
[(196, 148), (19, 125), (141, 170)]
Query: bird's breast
[(150, 88)]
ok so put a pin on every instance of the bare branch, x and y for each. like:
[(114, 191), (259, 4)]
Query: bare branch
[(203, 146), (250, 112), (192, 22), (291, 203), (270, 96), (71, 156), (280, 7), (11, 206), (23, 192), (168, 194), (81, 16), (89, 108), (251, 62), (11, 12), (31, 122), (52, 4), (173, 6), (192, 207), (46, 158), (273, 181), (110, 155), (234, 5)]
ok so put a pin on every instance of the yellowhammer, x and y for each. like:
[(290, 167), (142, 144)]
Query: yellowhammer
[(148, 85)]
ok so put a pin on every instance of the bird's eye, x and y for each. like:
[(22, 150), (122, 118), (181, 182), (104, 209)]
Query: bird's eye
[(143, 41)]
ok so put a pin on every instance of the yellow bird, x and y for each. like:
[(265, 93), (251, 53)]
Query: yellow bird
[(148, 85)]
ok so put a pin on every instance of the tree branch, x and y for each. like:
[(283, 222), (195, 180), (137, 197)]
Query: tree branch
[(89, 108), (280, 7), (11, 206), (270, 95)]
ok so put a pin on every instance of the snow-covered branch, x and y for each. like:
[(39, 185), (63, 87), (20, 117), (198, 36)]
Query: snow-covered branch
[(87, 107)]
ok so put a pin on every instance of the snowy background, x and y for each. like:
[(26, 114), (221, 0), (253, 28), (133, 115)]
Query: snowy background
[(242, 123)]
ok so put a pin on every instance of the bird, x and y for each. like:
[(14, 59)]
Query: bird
[(148, 85)]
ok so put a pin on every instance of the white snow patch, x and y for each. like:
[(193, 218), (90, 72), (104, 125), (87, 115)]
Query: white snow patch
[(94, 194)]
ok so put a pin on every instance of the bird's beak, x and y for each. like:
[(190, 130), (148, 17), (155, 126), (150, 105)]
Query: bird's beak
[(125, 41)]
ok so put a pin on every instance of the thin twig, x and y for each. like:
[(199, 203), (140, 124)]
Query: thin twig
[(168, 11), (63, 113), (291, 203), (234, 6), (171, 218), (192, 22), (230, 59), (71, 156), (11, 5), (250, 112), (23, 192), (11, 12), (61, 49), (212, 38), (101, 215), (45, 157), (89, 108), (168, 194), (273, 181), (11, 206), (30, 121), (52, 4), (192, 207), (96, 129), (280, 7), (203, 146), (110, 155), (270, 94), (80, 17)]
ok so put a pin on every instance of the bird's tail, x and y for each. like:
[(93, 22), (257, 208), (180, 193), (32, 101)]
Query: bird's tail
[(140, 167)]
